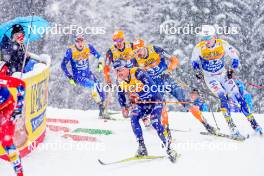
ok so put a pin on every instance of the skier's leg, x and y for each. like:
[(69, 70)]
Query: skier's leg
[(7, 130), (164, 115), (214, 84), (233, 90), (165, 123), (90, 83), (99, 87), (155, 118), (135, 116), (14, 158), (180, 94), (97, 90)]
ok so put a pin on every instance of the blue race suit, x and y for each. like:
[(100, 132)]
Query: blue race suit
[(139, 79), (81, 73), (155, 64)]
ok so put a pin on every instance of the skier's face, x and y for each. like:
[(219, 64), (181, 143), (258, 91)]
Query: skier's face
[(122, 73), (140, 53), (210, 41), (194, 96), (79, 44), (119, 43)]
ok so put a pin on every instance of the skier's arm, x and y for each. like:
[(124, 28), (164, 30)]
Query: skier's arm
[(143, 76), (19, 85), (195, 63), (94, 51), (122, 98), (98, 56), (65, 61), (233, 54), (108, 61), (174, 61), (195, 59)]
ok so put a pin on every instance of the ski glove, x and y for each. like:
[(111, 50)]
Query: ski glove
[(230, 73), (72, 82), (125, 112), (17, 114), (100, 67), (199, 75)]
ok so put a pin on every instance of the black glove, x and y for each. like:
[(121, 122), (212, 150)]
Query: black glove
[(199, 75), (17, 114), (230, 73)]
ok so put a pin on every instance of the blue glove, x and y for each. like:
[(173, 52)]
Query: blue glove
[(235, 63)]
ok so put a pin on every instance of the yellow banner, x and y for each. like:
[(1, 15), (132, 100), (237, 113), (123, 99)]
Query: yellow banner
[(32, 129)]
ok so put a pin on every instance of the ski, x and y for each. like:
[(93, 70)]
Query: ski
[(135, 158), (180, 130), (113, 112), (242, 138)]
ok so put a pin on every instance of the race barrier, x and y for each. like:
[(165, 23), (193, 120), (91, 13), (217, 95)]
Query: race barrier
[(30, 131)]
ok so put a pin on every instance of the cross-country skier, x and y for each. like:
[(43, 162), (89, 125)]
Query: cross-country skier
[(78, 55), (198, 101), (137, 84), (153, 60), (210, 62), (10, 111), (246, 95), (120, 50)]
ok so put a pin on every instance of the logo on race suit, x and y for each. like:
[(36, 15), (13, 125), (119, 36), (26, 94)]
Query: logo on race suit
[(214, 85), (37, 121), (212, 65)]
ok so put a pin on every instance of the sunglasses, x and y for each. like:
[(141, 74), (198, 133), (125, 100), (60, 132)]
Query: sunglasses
[(206, 38), (118, 40)]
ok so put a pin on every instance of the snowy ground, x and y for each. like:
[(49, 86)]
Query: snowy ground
[(201, 155)]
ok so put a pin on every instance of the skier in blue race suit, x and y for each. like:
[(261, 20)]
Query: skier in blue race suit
[(78, 55), (134, 83)]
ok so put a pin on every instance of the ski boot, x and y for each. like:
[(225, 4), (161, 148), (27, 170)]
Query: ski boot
[(142, 150), (259, 130), (172, 154), (102, 112), (209, 128), (235, 133), (255, 126)]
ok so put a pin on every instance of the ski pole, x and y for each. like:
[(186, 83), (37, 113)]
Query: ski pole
[(26, 50), (162, 102), (210, 106)]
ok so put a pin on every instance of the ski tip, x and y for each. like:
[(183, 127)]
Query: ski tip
[(101, 162)]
